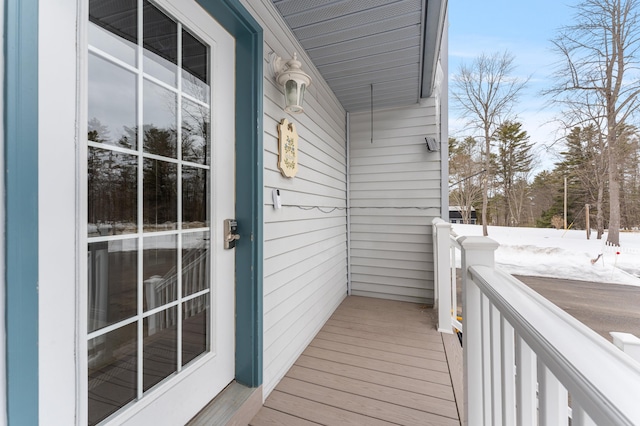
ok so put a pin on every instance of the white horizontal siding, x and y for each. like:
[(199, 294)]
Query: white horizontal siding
[(305, 249), (395, 193)]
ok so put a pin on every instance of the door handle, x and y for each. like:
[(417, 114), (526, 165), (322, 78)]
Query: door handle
[(230, 234)]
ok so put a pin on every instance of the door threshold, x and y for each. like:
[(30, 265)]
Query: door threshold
[(235, 405)]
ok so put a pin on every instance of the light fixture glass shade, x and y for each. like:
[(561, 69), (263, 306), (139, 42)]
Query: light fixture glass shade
[(294, 80), (294, 96)]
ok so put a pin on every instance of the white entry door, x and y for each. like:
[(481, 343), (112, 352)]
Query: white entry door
[(159, 184)]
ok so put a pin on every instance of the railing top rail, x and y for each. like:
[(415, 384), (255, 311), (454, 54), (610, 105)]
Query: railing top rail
[(597, 374), (454, 240)]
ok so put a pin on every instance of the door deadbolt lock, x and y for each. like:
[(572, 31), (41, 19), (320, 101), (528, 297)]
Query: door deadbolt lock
[(230, 233)]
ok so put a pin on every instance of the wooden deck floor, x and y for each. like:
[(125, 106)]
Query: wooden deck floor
[(375, 362)]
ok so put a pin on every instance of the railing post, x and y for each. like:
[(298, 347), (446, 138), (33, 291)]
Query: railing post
[(442, 275), (628, 343), (476, 251)]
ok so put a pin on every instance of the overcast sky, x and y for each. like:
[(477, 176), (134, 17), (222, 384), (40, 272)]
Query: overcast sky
[(525, 29)]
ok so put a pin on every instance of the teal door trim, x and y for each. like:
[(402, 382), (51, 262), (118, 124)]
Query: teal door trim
[(233, 16), (21, 201)]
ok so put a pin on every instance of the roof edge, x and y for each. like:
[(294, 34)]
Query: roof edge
[(435, 16)]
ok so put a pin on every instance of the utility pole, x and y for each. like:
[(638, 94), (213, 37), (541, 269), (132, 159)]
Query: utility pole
[(565, 203)]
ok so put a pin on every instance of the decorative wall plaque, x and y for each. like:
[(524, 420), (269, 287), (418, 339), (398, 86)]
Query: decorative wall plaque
[(287, 148)]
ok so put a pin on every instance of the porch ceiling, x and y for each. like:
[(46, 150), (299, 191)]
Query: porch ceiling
[(391, 44)]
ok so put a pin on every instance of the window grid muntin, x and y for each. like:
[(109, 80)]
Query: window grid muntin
[(105, 330), (122, 64), (146, 155), (141, 76)]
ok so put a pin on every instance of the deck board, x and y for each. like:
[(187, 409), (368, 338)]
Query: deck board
[(408, 360), (333, 327), (271, 417), (386, 329), (379, 365), (314, 411), (378, 377), (383, 346), (375, 362), (377, 392)]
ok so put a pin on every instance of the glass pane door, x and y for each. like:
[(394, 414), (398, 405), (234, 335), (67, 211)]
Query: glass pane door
[(149, 191)]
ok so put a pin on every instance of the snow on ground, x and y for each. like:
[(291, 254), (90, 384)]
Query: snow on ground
[(557, 253)]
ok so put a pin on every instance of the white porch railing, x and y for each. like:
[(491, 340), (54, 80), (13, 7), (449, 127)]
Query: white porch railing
[(524, 357), (445, 247)]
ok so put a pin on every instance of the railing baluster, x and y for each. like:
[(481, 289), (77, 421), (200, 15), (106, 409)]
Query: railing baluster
[(485, 323), (496, 364), (508, 373), (526, 383), (552, 397), (580, 416), (453, 289)]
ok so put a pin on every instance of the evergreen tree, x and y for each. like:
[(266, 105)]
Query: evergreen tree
[(546, 197), (513, 165), (541, 193)]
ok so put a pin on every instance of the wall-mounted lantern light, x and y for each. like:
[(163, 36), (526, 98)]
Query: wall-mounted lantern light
[(295, 81), (432, 144)]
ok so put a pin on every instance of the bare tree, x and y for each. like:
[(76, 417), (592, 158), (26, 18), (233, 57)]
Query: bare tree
[(628, 167), (465, 170), (600, 55), (585, 161), (584, 118), (519, 198), (485, 91)]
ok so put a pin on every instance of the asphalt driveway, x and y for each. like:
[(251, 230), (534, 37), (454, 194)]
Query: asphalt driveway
[(602, 307)]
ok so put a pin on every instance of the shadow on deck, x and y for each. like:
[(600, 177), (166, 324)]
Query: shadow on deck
[(375, 362)]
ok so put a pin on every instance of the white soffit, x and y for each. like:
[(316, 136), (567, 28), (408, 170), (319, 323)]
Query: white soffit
[(356, 43)]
